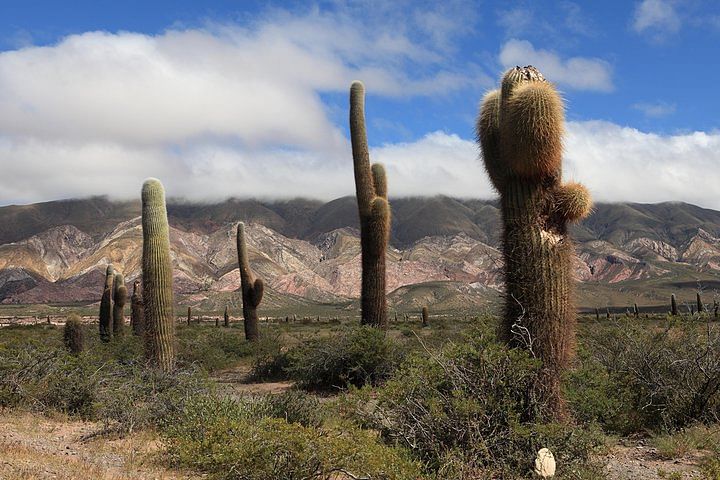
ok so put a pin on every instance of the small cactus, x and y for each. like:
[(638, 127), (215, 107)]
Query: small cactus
[(226, 316), (73, 336), (424, 316), (106, 306), (700, 305), (157, 277), (673, 306), (636, 310), (520, 128), (374, 209), (137, 317), (189, 315), (252, 288), (119, 300)]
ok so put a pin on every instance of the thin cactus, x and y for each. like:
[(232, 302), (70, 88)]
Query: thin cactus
[(636, 310), (226, 317), (520, 129), (252, 288), (119, 300), (106, 306), (673, 305), (157, 277), (137, 317), (374, 211), (189, 315), (425, 315), (700, 305)]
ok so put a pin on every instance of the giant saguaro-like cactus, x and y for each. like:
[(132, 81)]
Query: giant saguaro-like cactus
[(157, 277), (137, 317), (106, 306), (520, 130), (252, 288), (119, 300), (374, 210)]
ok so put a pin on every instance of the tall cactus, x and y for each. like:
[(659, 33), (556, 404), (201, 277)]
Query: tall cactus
[(137, 316), (119, 300), (106, 306), (374, 210), (252, 288), (520, 129), (157, 277)]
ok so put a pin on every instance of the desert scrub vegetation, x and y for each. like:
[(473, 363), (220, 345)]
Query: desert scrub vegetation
[(467, 410), (660, 378), (238, 440), (356, 356)]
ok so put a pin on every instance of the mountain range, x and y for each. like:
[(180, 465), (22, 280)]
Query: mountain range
[(444, 252)]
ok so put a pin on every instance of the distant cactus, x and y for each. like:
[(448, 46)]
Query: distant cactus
[(673, 305), (217, 321), (137, 317), (374, 210), (252, 288), (636, 310), (73, 336), (716, 309), (700, 305), (157, 277), (424, 316), (520, 131), (597, 314), (226, 316), (189, 315), (106, 306), (119, 300)]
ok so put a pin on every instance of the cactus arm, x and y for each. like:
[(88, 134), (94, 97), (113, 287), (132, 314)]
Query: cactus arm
[(572, 202), (119, 300), (257, 292), (487, 131), (379, 180)]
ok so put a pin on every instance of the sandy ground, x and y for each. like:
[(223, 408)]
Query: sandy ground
[(637, 461), (36, 447)]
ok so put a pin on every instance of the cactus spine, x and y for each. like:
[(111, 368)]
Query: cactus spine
[(226, 316), (119, 300), (73, 336), (252, 288), (157, 277), (374, 210), (137, 317), (106, 306), (520, 131)]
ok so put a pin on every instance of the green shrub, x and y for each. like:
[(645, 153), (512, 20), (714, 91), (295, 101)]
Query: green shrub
[(357, 356), (210, 348), (466, 410), (270, 359), (295, 406), (672, 373), (229, 441)]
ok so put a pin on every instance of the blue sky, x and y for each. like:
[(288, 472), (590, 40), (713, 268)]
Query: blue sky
[(221, 98)]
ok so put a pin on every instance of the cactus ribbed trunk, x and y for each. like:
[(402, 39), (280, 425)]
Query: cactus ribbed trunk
[(106, 306), (374, 211), (157, 277), (520, 131), (119, 300), (137, 317), (252, 288)]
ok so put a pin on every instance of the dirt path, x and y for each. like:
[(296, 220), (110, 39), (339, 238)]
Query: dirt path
[(36, 447), (233, 382), (637, 461)]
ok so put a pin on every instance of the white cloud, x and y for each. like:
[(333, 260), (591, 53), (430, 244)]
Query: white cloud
[(655, 110), (579, 73), (657, 17)]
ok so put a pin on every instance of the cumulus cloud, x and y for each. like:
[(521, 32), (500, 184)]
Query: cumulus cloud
[(578, 73), (656, 17)]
